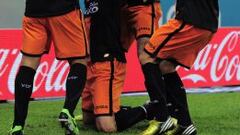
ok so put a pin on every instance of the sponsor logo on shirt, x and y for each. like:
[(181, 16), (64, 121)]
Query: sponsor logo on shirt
[(93, 8)]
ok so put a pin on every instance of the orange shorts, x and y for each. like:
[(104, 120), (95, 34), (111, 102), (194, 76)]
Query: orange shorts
[(66, 31), (103, 88), (139, 21), (178, 42)]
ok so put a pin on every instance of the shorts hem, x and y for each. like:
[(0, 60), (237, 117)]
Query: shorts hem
[(72, 58), (144, 35), (174, 61), (33, 55), (151, 54)]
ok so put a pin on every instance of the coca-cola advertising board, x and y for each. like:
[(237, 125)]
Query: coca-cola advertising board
[(218, 64)]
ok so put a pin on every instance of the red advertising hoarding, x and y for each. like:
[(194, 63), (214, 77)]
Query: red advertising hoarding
[(218, 64)]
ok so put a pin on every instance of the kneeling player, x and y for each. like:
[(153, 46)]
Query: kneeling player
[(106, 72)]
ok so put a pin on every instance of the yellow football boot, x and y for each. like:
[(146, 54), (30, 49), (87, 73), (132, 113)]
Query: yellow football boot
[(153, 128)]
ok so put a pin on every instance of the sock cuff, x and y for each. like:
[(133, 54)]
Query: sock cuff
[(148, 66), (77, 66), (78, 69), (172, 74), (151, 69), (173, 78), (27, 70)]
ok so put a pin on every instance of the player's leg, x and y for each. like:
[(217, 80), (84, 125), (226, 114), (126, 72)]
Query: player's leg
[(175, 43), (143, 19), (74, 86), (126, 118), (120, 120), (101, 89), (177, 92), (35, 43), (175, 85), (146, 21), (23, 91), (107, 87), (70, 44), (156, 88), (153, 79), (107, 91), (150, 65), (161, 35), (75, 83)]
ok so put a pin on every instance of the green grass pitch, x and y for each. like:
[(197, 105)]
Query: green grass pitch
[(213, 114)]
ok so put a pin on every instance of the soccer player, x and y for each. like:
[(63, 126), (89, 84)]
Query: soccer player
[(45, 21), (178, 42), (106, 72), (139, 20)]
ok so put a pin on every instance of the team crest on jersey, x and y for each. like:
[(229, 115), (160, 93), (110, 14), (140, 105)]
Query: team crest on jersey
[(93, 8)]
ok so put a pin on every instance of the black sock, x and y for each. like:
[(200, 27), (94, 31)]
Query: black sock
[(125, 118), (74, 86), (171, 104), (178, 93), (23, 91), (156, 89)]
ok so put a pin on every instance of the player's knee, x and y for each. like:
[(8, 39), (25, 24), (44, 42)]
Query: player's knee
[(141, 42), (106, 124), (145, 58), (31, 62), (142, 55), (167, 67)]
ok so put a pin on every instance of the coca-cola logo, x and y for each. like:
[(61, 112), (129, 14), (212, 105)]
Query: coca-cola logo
[(217, 64), (50, 75), (221, 61)]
